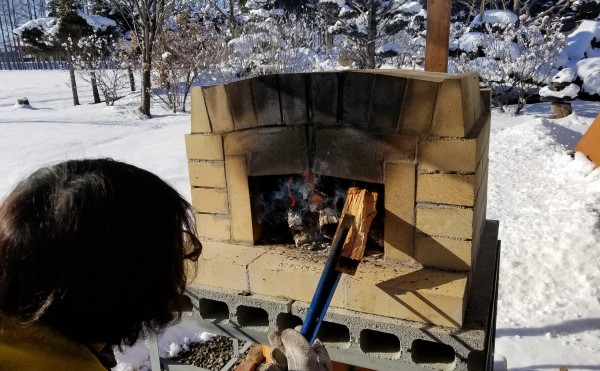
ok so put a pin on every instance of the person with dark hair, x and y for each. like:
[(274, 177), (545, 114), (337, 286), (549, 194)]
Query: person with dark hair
[(92, 255)]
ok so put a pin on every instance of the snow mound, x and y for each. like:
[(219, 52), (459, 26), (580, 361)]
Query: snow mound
[(495, 17), (579, 42), (570, 91), (589, 71), (565, 75)]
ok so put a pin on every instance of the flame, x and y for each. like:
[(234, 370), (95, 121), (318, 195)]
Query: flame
[(293, 199)]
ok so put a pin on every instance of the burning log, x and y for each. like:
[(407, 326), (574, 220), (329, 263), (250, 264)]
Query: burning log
[(362, 205)]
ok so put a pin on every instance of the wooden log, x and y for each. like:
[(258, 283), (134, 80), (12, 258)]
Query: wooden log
[(361, 204), (437, 38)]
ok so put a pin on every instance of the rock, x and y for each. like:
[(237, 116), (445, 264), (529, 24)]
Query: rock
[(560, 109), (23, 101)]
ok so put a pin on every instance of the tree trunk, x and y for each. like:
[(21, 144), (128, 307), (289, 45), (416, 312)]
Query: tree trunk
[(131, 78), (146, 86), (371, 34), (94, 87), (232, 21), (73, 84)]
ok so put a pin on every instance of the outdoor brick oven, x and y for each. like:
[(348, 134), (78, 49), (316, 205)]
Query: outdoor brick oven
[(420, 139)]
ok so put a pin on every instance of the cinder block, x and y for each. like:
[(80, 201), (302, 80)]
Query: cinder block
[(224, 265), (270, 151), (444, 253), (239, 199), (217, 105), (357, 92), (452, 189), (324, 98), (454, 114), (290, 273), (386, 105), (210, 200), (364, 155), (207, 174), (204, 146), (399, 206), (417, 109), (266, 98), (421, 295), (445, 221), (200, 120), (292, 92), (213, 226), (243, 110)]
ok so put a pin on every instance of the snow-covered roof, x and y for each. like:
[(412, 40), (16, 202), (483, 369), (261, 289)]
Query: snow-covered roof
[(98, 22), (565, 75), (495, 17), (570, 91)]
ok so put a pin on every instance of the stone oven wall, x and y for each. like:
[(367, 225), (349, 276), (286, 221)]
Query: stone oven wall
[(422, 135)]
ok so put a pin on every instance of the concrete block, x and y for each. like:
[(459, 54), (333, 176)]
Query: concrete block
[(324, 98), (364, 155), (445, 221), (224, 265), (290, 273), (204, 146), (444, 253), (386, 104), (270, 151), (213, 226), (207, 174), (399, 206), (293, 96), (266, 98), (243, 109), (199, 114), (210, 200), (421, 295), (452, 189), (418, 106), (239, 199), (454, 114), (218, 108), (356, 94)]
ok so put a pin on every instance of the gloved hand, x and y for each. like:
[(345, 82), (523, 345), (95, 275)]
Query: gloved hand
[(292, 352)]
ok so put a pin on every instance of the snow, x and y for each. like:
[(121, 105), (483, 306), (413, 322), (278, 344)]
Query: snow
[(49, 25), (470, 41), (565, 75), (579, 42), (495, 17), (548, 204), (96, 21), (569, 91), (589, 71)]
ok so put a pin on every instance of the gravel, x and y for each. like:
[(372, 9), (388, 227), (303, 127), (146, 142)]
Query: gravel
[(212, 355)]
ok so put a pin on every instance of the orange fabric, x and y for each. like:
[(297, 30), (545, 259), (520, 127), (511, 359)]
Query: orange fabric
[(589, 144), (37, 347)]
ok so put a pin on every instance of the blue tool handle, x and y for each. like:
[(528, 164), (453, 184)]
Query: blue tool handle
[(327, 284)]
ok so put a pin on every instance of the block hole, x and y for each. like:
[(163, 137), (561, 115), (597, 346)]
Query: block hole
[(424, 352), (213, 309), (252, 317), (334, 333), (287, 320), (372, 341)]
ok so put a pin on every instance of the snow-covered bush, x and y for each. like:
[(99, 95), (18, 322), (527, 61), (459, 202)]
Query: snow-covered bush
[(513, 59)]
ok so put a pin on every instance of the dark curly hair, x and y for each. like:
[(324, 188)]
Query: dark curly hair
[(95, 249)]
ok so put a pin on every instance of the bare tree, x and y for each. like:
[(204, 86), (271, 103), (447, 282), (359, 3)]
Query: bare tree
[(147, 19)]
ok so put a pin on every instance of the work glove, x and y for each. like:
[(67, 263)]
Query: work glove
[(292, 352)]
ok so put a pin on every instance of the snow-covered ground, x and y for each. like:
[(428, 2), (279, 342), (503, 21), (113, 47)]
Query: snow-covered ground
[(547, 202)]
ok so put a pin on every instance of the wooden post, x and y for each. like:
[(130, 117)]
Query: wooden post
[(437, 36)]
